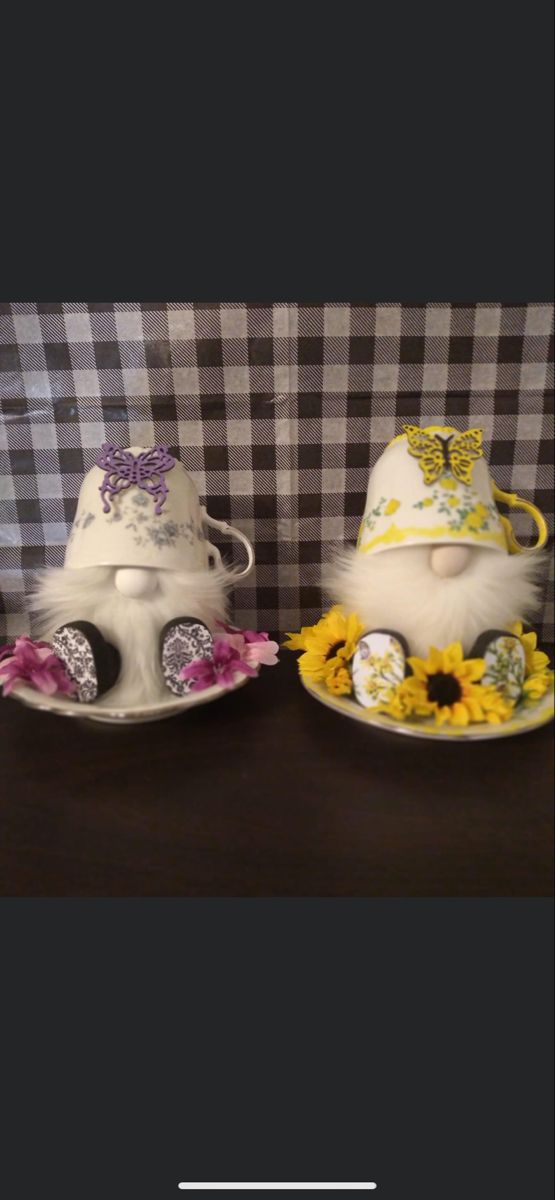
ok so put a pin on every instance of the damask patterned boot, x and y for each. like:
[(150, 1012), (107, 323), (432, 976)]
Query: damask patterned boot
[(183, 641), (92, 662)]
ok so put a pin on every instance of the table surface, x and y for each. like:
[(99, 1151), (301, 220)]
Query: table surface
[(268, 793)]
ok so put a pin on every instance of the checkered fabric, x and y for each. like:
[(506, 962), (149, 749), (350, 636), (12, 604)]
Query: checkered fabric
[(278, 411)]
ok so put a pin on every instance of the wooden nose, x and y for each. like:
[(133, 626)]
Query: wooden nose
[(135, 582), (449, 560)]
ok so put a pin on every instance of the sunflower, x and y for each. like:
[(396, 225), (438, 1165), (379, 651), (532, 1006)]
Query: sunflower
[(400, 706), (536, 660), (328, 645), (338, 681), (537, 684), (447, 686)]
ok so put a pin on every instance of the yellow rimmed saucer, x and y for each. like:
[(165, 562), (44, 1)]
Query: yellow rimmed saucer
[(64, 706), (524, 719)]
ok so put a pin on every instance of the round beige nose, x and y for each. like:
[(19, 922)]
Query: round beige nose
[(449, 560), (135, 582)]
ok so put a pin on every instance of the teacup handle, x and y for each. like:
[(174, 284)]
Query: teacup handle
[(514, 501), (232, 532)]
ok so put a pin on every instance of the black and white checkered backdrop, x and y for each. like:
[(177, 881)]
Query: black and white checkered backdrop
[(278, 411)]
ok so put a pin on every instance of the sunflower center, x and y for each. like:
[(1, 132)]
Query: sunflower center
[(334, 649), (443, 689)]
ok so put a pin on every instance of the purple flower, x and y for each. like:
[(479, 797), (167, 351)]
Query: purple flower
[(226, 663), (34, 663)]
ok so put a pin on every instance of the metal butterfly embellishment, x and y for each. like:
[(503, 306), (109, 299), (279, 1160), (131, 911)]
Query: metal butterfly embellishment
[(146, 470), (455, 453)]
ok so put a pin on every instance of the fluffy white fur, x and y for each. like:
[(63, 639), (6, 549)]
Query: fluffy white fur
[(398, 590), (132, 625)]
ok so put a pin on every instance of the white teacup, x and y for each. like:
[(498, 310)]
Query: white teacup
[(140, 509)]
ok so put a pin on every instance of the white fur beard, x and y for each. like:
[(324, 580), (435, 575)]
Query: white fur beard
[(132, 625), (398, 590)]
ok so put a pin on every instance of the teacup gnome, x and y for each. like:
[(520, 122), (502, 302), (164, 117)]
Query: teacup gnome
[(435, 562), (142, 590)]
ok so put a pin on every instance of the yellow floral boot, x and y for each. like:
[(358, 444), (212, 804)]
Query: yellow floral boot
[(379, 665)]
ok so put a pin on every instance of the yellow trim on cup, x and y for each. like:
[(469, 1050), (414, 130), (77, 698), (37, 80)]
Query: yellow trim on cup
[(394, 536), (513, 501)]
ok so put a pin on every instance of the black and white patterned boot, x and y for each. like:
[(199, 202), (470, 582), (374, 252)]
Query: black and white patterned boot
[(183, 641), (92, 662)]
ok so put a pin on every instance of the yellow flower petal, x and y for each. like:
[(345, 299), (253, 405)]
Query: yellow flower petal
[(297, 641), (311, 667), (442, 715), (418, 666), (435, 661), (453, 656), (472, 669), (535, 659), (338, 680), (474, 708), (536, 685)]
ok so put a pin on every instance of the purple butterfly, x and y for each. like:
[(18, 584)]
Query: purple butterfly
[(146, 470)]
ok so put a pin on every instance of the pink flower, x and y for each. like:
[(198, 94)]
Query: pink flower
[(256, 649), (226, 663), (261, 653), (33, 662)]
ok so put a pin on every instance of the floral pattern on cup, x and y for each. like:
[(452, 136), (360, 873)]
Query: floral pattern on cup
[(136, 513), (461, 507)]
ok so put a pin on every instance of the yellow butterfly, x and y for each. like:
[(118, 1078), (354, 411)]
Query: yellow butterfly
[(456, 453)]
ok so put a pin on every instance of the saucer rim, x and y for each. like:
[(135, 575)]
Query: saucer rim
[(117, 714), (541, 714)]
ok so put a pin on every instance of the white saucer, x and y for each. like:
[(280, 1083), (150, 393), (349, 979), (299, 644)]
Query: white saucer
[(523, 719), (135, 715)]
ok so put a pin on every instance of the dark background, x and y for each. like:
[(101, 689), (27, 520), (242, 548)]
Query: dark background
[(406, 1042), (311, 155), (393, 152)]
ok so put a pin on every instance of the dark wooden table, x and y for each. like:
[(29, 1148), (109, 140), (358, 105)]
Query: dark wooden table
[(268, 793)]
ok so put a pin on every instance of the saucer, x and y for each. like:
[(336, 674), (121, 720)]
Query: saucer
[(63, 706), (523, 719)]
